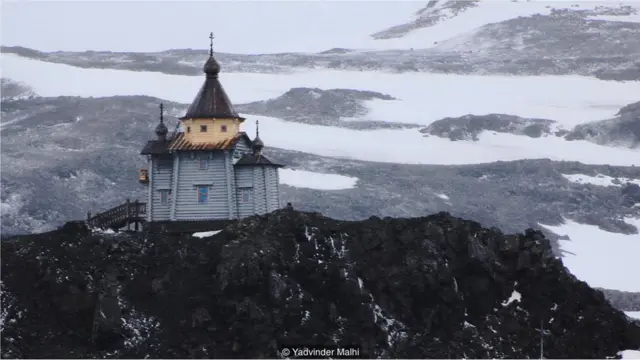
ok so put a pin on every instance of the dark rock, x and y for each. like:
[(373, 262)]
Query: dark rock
[(622, 130), (468, 127), (436, 286)]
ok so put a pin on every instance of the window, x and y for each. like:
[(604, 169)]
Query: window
[(164, 197), (203, 164), (246, 195), (223, 128), (203, 128), (203, 194), (188, 129)]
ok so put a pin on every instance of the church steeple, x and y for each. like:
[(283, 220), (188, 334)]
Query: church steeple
[(258, 145), (161, 129), (211, 67), (211, 101)]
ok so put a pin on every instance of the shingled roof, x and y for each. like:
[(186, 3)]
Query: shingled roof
[(179, 143), (256, 159), (212, 101)]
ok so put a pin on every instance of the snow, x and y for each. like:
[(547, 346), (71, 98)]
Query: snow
[(205, 234), (314, 180), (103, 231), (599, 180), (630, 354), (423, 97), (600, 258), (568, 98), (417, 149), (515, 296), (633, 314), (443, 196)]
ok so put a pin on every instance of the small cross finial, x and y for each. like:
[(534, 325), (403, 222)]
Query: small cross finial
[(211, 37), (161, 112), (257, 128)]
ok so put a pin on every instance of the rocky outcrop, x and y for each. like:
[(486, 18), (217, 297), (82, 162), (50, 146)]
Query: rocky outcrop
[(468, 127), (334, 107), (433, 13), (622, 130), (13, 90), (435, 286)]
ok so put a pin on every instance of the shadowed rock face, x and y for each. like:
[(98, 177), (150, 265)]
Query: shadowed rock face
[(426, 287)]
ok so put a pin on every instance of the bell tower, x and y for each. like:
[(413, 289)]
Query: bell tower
[(211, 117)]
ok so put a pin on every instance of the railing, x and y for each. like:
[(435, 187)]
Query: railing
[(119, 216)]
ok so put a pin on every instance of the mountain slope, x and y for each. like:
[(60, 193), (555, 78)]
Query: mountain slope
[(429, 287)]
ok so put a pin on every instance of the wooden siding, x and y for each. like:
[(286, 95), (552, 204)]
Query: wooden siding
[(241, 148), (271, 190), (214, 176), (244, 180), (162, 174), (150, 191), (174, 185), (278, 188), (244, 176), (231, 185), (259, 193), (245, 208), (213, 133)]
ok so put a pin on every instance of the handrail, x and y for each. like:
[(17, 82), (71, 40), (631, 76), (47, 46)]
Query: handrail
[(127, 213)]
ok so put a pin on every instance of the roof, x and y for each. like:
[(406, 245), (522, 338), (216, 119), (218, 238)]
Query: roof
[(212, 101), (179, 143), (155, 147), (252, 159)]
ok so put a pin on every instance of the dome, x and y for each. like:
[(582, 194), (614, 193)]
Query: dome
[(161, 130), (212, 67), (258, 145)]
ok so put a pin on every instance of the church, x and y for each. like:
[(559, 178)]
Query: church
[(208, 169)]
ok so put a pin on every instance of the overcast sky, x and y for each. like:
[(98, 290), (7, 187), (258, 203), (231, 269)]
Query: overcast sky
[(239, 26)]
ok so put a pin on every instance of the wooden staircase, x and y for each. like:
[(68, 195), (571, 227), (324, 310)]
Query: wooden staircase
[(120, 216)]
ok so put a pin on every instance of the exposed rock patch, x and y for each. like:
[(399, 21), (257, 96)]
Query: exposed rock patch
[(435, 12), (11, 90), (331, 107), (468, 127), (622, 130)]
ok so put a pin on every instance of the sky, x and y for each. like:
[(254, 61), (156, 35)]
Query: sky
[(239, 26)]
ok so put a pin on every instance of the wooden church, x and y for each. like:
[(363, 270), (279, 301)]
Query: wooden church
[(208, 169)]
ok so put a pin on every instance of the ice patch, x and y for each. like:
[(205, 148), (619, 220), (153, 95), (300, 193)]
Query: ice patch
[(314, 180), (205, 234)]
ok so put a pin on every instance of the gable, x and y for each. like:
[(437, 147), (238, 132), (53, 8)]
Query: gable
[(243, 145)]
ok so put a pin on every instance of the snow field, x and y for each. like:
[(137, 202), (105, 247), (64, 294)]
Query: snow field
[(425, 98), (601, 258)]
